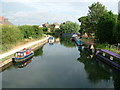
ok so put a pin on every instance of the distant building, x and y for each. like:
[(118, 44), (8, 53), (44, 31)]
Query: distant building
[(55, 25), (66, 22), (40, 26), (45, 25), (4, 21)]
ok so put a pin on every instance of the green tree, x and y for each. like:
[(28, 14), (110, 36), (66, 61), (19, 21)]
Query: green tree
[(85, 25), (31, 31), (96, 10), (105, 28), (117, 32), (26, 30), (69, 27)]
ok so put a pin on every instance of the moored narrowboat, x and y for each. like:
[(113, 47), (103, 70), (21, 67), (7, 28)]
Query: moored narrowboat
[(109, 57), (51, 40), (23, 55), (78, 41)]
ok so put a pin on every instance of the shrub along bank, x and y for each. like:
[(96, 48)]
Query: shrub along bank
[(15, 34)]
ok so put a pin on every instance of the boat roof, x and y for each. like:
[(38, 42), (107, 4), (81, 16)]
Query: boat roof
[(111, 53), (51, 37), (23, 51)]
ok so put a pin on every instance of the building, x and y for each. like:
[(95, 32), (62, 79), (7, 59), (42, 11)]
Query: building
[(45, 25), (55, 25), (40, 26), (4, 21)]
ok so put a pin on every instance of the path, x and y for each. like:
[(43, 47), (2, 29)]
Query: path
[(20, 48)]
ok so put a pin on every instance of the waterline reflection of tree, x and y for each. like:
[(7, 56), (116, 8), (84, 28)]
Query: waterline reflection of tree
[(39, 52), (98, 71), (67, 42)]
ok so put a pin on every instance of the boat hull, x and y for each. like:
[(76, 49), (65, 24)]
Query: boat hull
[(107, 61)]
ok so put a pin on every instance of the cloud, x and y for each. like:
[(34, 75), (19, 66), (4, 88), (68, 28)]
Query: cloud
[(31, 1), (37, 12)]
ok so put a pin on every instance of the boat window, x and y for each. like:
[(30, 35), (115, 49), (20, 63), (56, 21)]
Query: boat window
[(24, 54), (18, 54), (111, 58)]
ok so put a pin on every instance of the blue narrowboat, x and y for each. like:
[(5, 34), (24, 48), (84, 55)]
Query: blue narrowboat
[(78, 41), (109, 57), (23, 55)]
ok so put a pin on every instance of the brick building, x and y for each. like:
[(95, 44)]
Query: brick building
[(4, 21)]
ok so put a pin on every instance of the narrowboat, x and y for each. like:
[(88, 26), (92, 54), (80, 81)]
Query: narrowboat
[(51, 40), (78, 41), (74, 36), (23, 55), (109, 57)]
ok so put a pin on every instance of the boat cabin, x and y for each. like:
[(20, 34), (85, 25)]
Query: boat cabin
[(22, 53)]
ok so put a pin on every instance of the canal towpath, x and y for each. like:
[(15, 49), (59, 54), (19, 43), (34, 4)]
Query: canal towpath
[(3, 55)]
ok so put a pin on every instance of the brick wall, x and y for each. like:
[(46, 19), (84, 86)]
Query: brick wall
[(2, 20)]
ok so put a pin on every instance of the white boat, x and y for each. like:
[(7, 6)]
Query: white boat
[(51, 40)]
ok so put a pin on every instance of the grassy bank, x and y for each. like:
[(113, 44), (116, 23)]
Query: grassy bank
[(109, 47), (17, 44)]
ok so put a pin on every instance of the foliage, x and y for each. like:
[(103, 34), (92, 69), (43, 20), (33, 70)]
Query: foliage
[(31, 31), (69, 27), (96, 10), (45, 29), (10, 35), (85, 25), (109, 47), (105, 28), (117, 32)]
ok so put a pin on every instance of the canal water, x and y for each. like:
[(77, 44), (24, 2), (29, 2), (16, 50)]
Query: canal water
[(61, 65)]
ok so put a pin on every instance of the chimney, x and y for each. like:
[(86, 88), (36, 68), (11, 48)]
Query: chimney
[(2, 20)]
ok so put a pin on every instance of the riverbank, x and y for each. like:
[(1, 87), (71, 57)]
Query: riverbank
[(109, 47), (33, 45)]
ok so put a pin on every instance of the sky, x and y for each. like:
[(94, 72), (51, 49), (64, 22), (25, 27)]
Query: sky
[(37, 12)]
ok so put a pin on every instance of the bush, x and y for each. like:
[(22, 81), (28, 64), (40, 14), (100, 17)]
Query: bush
[(10, 35), (31, 31)]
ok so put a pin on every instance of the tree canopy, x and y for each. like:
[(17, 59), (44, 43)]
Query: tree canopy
[(96, 10), (69, 27), (105, 27)]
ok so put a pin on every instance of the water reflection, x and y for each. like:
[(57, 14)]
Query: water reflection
[(98, 71), (67, 42), (22, 64), (39, 51)]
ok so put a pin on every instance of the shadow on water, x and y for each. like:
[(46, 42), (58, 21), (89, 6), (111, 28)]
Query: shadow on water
[(98, 71), (67, 42), (39, 52)]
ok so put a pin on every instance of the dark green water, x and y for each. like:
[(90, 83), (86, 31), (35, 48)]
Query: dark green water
[(61, 65)]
